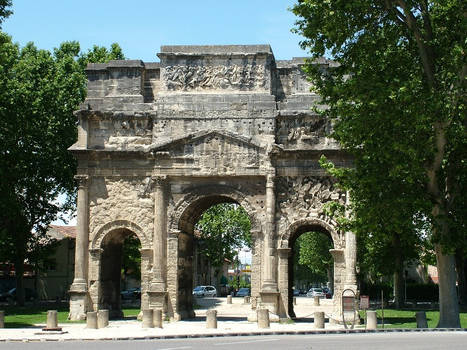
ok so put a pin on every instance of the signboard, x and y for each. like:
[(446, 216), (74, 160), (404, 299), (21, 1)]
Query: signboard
[(364, 302), (348, 303)]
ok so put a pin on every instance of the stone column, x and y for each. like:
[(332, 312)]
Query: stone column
[(158, 289), (283, 281), (160, 236), (269, 283), (78, 289), (350, 253)]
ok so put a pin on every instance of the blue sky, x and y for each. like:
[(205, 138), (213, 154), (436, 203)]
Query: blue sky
[(141, 27)]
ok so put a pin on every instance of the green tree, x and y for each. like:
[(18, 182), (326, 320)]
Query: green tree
[(5, 10), (223, 230), (39, 91), (131, 256), (314, 254), (397, 98)]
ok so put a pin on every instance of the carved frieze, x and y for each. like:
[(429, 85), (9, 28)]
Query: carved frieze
[(234, 77), (299, 198), (302, 130)]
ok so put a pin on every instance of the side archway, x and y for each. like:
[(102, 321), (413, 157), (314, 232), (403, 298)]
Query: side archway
[(96, 242)]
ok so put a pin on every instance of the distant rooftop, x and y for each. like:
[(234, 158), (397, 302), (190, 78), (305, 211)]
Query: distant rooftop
[(61, 232)]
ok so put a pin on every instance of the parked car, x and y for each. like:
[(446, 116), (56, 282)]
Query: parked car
[(132, 293), (243, 292), (29, 294), (204, 291), (296, 292), (316, 292)]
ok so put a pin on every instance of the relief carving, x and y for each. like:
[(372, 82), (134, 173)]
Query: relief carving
[(304, 197), (244, 77), (302, 130)]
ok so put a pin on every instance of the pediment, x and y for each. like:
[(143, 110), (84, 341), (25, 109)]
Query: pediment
[(206, 136), (213, 152)]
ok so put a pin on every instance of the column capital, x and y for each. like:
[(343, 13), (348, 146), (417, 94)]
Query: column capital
[(82, 180), (270, 178), (159, 180)]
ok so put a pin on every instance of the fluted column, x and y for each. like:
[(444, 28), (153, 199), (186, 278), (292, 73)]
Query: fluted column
[(82, 236), (160, 235), (350, 252), (269, 281)]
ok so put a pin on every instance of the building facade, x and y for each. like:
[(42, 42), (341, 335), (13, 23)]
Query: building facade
[(159, 143)]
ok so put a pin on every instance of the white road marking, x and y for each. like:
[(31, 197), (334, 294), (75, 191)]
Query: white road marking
[(180, 347), (247, 342)]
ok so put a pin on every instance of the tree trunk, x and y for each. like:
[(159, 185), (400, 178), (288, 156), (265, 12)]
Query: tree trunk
[(461, 282), (399, 287), (19, 272), (448, 304)]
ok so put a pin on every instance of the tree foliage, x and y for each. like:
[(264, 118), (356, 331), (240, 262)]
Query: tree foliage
[(314, 254), (397, 99), (223, 230), (39, 90)]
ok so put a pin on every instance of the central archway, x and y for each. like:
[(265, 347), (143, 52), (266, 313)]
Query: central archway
[(187, 213)]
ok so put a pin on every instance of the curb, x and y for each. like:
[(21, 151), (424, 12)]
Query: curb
[(244, 334)]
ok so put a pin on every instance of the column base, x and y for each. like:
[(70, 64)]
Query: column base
[(158, 300), (270, 301), (78, 305)]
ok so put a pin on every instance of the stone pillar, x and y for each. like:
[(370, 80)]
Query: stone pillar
[(2, 319), (157, 317), (283, 282), (91, 320), (102, 318), (78, 289), (211, 319), (148, 320), (173, 310), (269, 283), (350, 254), (229, 299), (160, 236), (263, 318), (338, 256), (371, 320), (52, 319), (158, 289), (319, 319)]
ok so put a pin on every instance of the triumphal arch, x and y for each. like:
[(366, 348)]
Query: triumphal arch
[(159, 143)]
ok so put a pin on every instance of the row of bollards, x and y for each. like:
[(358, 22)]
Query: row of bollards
[(372, 320), (152, 318), (97, 319)]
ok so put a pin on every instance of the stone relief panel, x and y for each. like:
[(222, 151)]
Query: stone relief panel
[(301, 198), (114, 199), (302, 131), (214, 154), (223, 77)]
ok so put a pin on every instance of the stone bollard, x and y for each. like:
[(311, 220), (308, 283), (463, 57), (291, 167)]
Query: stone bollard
[(157, 317), (371, 320), (2, 319), (52, 321), (102, 318), (421, 319), (229, 299), (315, 301), (295, 300), (148, 320), (263, 318), (211, 319), (319, 319), (91, 320), (246, 300)]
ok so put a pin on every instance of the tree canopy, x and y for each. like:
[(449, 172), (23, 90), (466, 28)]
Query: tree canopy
[(396, 95), (39, 90), (223, 230)]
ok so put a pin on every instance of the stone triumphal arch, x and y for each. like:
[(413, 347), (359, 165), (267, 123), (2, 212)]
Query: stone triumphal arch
[(158, 143)]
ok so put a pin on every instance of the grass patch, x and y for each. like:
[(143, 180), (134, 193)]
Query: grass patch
[(30, 315), (131, 312), (406, 318)]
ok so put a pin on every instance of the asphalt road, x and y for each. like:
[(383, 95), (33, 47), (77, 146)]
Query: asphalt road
[(398, 341)]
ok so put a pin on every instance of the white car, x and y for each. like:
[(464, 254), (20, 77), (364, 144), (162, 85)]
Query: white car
[(204, 291), (316, 292)]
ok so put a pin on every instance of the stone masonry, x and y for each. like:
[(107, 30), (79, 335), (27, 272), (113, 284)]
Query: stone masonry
[(159, 143)]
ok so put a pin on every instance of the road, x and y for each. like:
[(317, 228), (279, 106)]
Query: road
[(398, 341)]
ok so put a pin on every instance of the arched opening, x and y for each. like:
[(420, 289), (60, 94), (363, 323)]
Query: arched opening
[(213, 230), (310, 269), (120, 271)]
